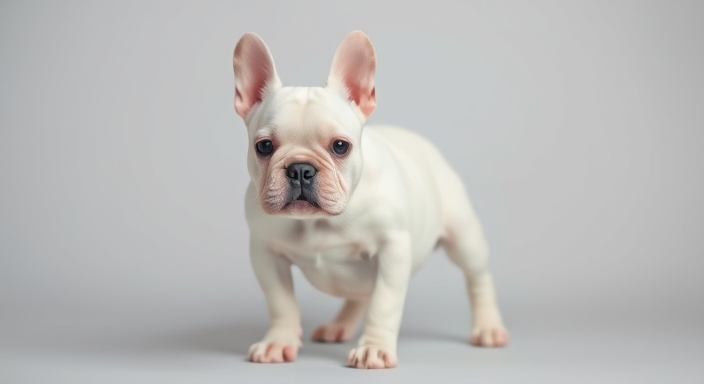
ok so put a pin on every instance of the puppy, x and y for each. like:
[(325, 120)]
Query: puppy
[(357, 208)]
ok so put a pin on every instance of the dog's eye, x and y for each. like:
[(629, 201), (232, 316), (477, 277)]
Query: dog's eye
[(264, 147), (340, 147)]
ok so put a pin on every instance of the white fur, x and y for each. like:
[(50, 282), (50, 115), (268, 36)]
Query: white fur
[(397, 198)]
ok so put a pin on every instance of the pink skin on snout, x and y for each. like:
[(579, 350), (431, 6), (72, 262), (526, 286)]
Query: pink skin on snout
[(330, 191)]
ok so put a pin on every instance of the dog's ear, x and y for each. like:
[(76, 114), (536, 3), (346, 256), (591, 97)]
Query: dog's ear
[(255, 74), (352, 71)]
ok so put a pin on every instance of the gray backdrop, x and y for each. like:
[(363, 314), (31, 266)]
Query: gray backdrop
[(576, 126)]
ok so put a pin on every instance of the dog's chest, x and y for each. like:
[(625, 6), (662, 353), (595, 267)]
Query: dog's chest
[(338, 261), (319, 243)]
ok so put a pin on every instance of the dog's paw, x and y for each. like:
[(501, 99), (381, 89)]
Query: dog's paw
[(489, 336), (488, 329), (333, 333), (372, 357), (278, 346)]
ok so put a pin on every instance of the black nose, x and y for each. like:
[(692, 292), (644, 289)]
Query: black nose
[(301, 173)]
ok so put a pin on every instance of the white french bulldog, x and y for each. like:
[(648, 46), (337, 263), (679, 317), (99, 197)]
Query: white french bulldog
[(356, 208)]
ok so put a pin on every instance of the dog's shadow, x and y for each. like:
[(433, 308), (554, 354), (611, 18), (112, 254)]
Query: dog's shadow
[(227, 338), (233, 339)]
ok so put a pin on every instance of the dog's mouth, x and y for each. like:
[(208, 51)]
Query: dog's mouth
[(306, 195), (301, 202), (297, 204), (302, 208)]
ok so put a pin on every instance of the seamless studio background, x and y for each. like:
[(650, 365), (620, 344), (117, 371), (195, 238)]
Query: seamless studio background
[(576, 127)]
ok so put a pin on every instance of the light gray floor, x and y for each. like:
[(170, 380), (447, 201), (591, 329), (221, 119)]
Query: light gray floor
[(180, 343), (83, 350)]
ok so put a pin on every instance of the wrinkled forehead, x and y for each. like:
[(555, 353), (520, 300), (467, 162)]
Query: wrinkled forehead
[(305, 112)]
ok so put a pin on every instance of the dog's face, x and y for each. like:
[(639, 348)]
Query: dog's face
[(305, 155)]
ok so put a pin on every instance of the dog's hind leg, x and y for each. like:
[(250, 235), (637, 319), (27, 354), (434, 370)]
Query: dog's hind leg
[(343, 326), (465, 243)]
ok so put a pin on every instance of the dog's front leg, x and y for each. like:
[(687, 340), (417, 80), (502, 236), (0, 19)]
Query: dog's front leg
[(377, 346), (283, 339)]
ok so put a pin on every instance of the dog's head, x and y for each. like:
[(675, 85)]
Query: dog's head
[(305, 155)]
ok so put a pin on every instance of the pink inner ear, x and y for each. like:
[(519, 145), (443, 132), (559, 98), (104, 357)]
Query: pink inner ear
[(254, 72), (252, 90), (354, 66)]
